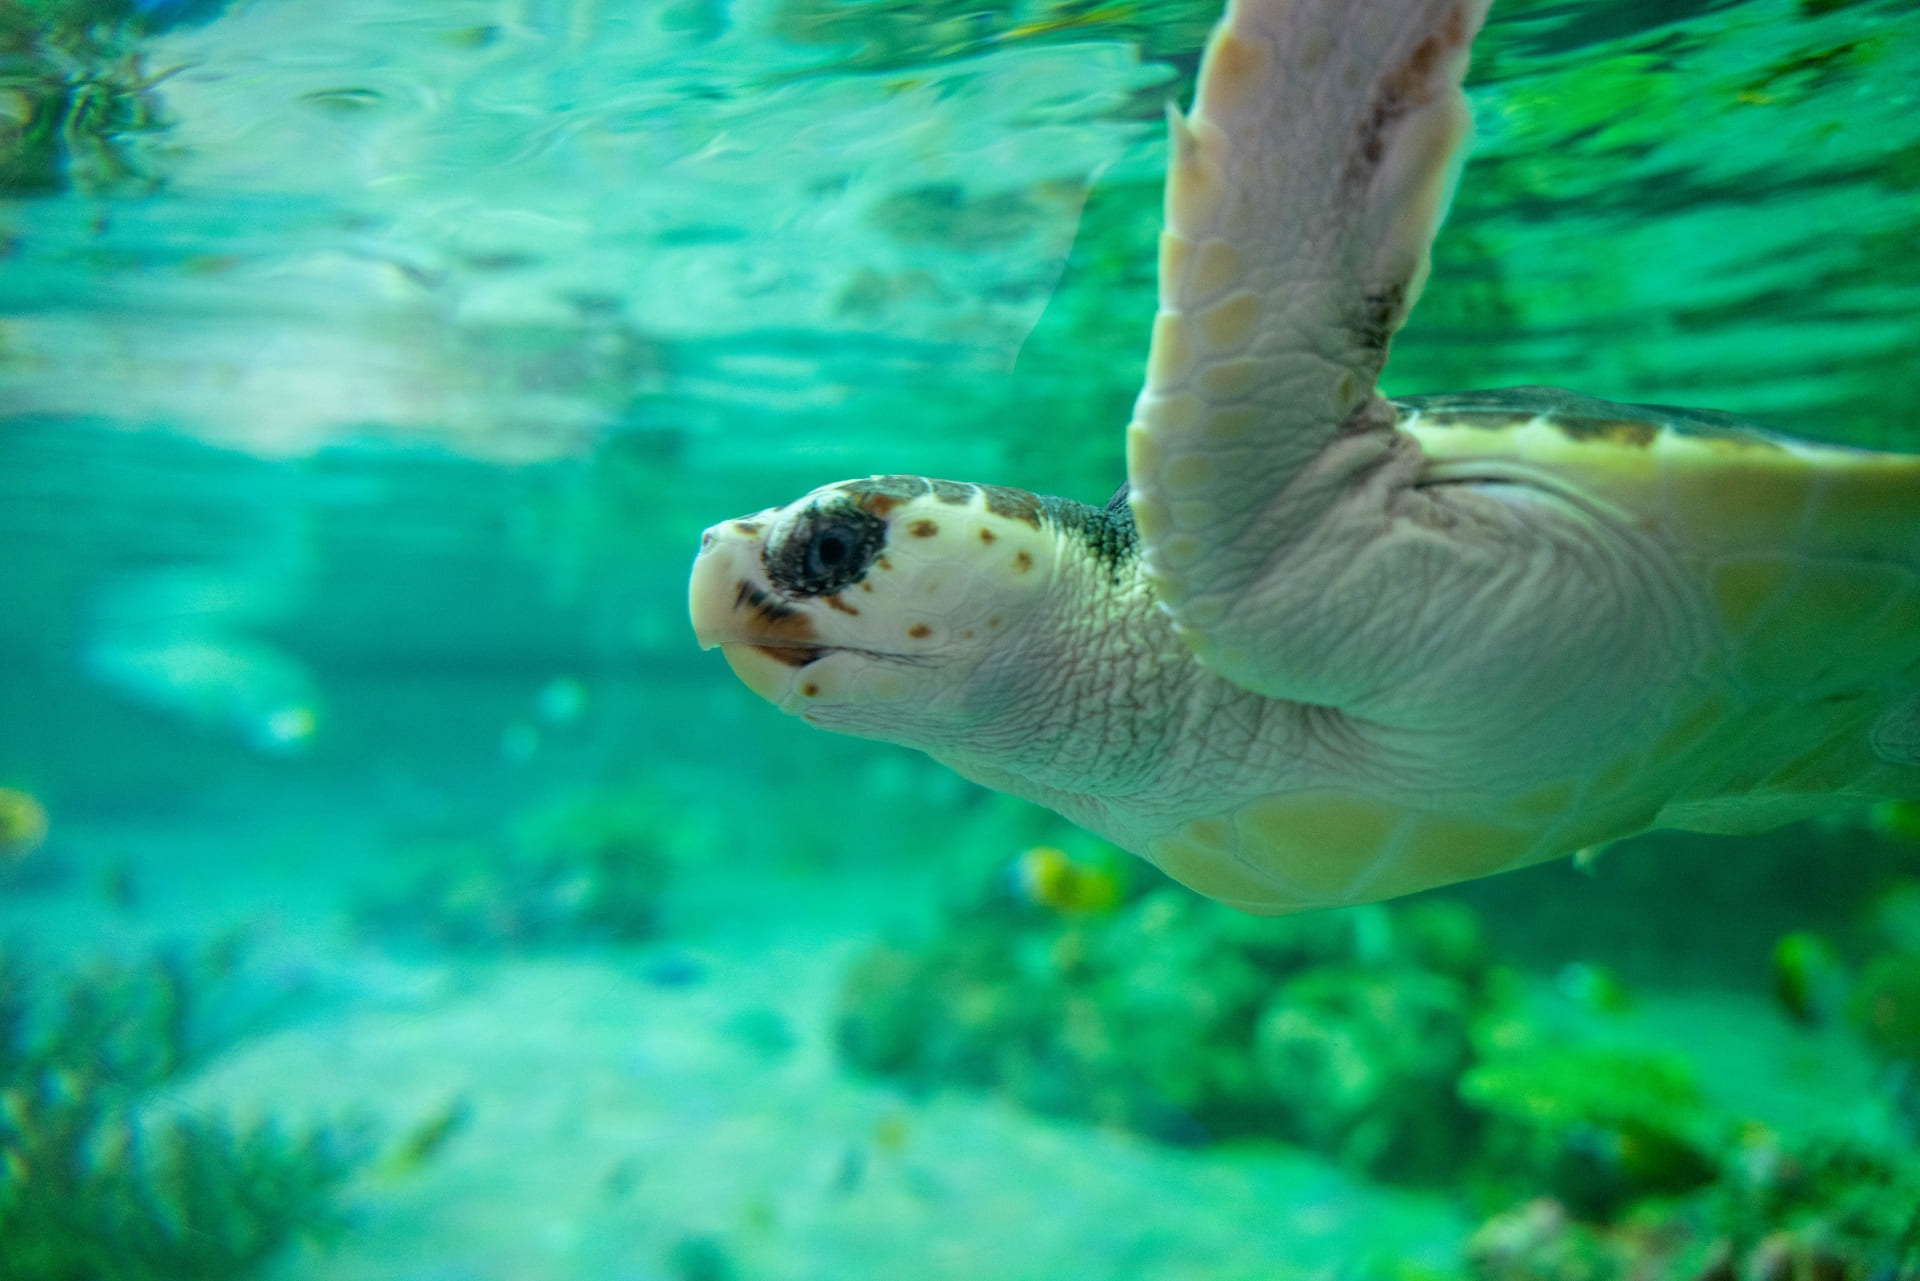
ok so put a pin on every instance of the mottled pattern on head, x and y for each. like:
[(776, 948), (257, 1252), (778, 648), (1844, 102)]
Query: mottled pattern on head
[(1107, 532)]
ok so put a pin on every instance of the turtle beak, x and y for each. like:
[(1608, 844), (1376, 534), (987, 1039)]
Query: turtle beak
[(710, 594), (764, 639)]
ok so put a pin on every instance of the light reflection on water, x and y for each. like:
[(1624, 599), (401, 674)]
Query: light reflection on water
[(514, 227)]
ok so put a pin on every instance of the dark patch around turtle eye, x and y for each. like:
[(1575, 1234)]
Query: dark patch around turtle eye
[(827, 549)]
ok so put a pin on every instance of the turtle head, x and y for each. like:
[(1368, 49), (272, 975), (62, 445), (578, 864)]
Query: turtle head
[(894, 607)]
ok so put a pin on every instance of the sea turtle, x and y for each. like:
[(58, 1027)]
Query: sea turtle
[(1324, 647)]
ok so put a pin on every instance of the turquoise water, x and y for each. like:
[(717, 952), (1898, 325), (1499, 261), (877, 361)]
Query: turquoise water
[(365, 381)]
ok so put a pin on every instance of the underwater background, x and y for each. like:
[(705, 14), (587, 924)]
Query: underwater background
[(389, 888)]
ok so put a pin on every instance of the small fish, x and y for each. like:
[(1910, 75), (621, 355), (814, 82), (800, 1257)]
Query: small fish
[(424, 1141), (23, 824), (1047, 877)]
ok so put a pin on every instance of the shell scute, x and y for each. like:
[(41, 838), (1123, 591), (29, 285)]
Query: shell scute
[(1325, 840), (1442, 848)]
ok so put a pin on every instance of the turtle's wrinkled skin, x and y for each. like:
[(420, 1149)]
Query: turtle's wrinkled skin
[(1326, 648)]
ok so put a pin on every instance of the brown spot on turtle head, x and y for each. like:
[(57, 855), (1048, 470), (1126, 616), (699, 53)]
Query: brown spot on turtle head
[(919, 631), (777, 622), (987, 536), (788, 654), (923, 529), (834, 602), (809, 690), (747, 527), (1022, 562)]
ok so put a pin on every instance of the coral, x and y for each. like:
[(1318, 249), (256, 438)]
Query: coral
[(1814, 1210), (93, 1183), (1387, 1038), (1598, 1128), (1190, 1022), (1364, 1060), (585, 869)]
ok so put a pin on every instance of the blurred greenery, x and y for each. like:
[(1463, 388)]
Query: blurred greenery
[(892, 35), (1790, 1210), (1389, 1038), (581, 868), (1191, 1022), (1596, 1128), (1694, 201), (99, 1181)]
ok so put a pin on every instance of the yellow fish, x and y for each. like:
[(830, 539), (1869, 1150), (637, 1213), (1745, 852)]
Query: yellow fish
[(23, 824), (1049, 878)]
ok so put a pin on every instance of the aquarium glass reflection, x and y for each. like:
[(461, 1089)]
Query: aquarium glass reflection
[(390, 887)]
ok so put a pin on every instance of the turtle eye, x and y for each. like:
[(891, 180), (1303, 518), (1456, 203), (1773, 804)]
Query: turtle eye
[(827, 548)]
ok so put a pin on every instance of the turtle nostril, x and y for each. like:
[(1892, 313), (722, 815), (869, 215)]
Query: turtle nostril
[(706, 540)]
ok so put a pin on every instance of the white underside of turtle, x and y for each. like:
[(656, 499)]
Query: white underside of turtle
[(1325, 648)]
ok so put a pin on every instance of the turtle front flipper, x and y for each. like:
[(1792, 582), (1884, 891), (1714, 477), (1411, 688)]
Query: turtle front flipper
[(1303, 194)]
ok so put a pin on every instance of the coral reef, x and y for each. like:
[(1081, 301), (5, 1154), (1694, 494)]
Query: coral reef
[(1597, 1128), (1189, 1022), (96, 1179), (585, 869), (1387, 1038), (1643, 1179), (1872, 984), (1780, 1212)]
